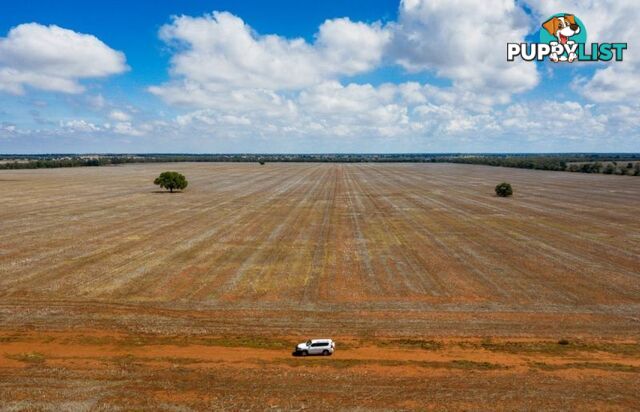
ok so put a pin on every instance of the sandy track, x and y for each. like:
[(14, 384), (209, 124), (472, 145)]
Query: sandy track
[(94, 370)]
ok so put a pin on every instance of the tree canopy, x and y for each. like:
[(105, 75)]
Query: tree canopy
[(171, 181)]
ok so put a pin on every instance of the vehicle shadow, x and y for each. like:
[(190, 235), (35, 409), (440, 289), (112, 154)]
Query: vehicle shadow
[(300, 355)]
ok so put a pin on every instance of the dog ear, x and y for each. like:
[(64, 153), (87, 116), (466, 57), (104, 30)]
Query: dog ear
[(551, 25), (571, 18)]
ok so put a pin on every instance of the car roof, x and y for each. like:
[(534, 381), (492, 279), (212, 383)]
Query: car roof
[(320, 340)]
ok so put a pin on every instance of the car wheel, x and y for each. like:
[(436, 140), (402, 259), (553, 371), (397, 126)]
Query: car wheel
[(326, 353), (304, 353)]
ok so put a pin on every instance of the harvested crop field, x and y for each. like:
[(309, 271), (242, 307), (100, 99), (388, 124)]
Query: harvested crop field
[(442, 294)]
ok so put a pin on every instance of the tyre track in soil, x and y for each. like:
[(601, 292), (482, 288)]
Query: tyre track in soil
[(452, 248), (103, 251), (407, 199), (441, 219), (432, 252), (541, 205), (267, 254), (312, 250), (479, 257), (317, 221), (175, 224), (341, 275), (377, 221), (315, 273), (116, 232), (178, 265), (485, 241), (259, 224), (105, 195), (355, 210), (558, 262), (365, 245), (551, 232), (506, 249)]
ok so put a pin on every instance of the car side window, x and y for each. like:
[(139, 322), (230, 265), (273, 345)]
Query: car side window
[(315, 345)]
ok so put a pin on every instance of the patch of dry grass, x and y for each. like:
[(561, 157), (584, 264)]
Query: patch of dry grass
[(605, 366), (349, 363), (411, 344), (255, 342), (32, 358), (557, 348)]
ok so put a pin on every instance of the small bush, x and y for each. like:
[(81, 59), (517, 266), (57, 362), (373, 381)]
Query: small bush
[(504, 190), (563, 342)]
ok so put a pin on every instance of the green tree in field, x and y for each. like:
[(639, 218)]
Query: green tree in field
[(504, 189), (171, 180)]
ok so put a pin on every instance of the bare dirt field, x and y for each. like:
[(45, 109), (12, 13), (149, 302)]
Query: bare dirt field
[(440, 294)]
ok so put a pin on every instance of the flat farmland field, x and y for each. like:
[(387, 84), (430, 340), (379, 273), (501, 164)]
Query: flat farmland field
[(440, 295)]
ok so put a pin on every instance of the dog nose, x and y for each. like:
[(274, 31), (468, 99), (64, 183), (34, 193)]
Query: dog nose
[(574, 27)]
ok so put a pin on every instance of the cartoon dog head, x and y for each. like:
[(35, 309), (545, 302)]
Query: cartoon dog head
[(562, 27)]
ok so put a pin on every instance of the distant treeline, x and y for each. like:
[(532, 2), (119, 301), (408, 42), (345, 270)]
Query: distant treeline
[(620, 164), (70, 160), (521, 162), (610, 163), (51, 163)]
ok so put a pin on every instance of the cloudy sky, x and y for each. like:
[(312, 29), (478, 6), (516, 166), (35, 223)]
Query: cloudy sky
[(310, 76)]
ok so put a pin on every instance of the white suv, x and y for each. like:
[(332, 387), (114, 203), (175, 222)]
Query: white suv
[(316, 347)]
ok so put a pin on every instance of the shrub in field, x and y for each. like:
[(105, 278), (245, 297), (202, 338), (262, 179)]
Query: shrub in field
[(171, 181), (504, 189)]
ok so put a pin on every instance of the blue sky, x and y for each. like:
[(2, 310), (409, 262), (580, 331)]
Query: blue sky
[(297, 76)]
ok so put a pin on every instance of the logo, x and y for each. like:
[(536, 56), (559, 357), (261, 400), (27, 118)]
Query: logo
[(563, 38)]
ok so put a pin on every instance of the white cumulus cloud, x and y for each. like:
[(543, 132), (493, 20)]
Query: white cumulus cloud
[(464, 41), (54, 59), (220, 52)]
